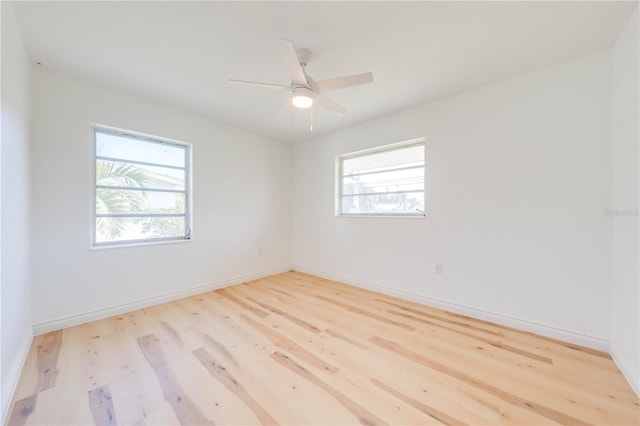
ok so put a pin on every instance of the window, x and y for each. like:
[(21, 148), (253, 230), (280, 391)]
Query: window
[(386, 181), (142, 189)]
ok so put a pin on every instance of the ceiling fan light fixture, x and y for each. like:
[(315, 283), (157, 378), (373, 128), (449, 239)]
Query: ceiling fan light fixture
[(302, 98), (302, 101), (303, 90)]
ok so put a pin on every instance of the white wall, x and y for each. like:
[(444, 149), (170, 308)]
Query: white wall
[(519, 177), (625, 333), (15, 212), (241, 204)]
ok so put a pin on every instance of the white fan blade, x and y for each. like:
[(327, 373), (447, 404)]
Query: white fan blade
[(267, 85), (328, 103), (342, 82), (292, 62)]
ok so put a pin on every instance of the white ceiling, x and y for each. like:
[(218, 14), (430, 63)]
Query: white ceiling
[(183, 53)]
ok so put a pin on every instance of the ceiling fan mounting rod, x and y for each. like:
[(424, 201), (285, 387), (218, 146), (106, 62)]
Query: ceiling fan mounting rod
[(304, 56)]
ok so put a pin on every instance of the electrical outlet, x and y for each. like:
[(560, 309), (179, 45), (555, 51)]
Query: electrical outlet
[(437, 269)]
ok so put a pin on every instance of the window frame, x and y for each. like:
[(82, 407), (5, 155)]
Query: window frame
[(188, 190), (369, 151)]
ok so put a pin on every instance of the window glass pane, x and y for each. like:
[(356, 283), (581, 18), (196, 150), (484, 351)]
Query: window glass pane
[(145, 178), (392, 181), (114, 201), (133, 149), (392, 159), (114, 173), (385, 181), (408, 203), (113, 229)]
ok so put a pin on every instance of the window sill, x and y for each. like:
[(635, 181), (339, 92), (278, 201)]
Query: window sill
[(138, 244), (386, 216)]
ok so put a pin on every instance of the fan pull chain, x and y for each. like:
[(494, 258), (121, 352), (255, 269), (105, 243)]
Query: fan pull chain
[(311, 113)]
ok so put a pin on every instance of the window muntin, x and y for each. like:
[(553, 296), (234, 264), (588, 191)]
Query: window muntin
[(142, 191), (386, 181)]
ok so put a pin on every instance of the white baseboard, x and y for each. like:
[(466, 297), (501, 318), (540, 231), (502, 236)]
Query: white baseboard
[(10, 382), (57, 324), (632, 375), (542, 329)]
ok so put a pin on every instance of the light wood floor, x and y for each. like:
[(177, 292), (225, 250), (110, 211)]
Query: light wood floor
[(297, 349)]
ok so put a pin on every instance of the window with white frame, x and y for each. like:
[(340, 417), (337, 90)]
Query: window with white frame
[(385, 181), (142, 189)]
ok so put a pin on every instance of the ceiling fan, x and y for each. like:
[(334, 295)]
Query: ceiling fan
[(304, 90)]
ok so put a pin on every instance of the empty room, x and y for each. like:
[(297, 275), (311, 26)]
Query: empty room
[(319, 213)]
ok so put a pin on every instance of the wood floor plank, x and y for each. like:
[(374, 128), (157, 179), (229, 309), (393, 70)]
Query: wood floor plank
[(500, 393), (298, 349), (186, 411), (22, 409), (310, 327), (366, 313), (428, 386), (218, 371), (342, 336), (605, 380), (305, 306), (364, 416), (101, 405), (511, 332), (454, 322), (241, 303), (430, 411), (290, 346), (565, 392), (136, 397), (48, 351), (497, 344)]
